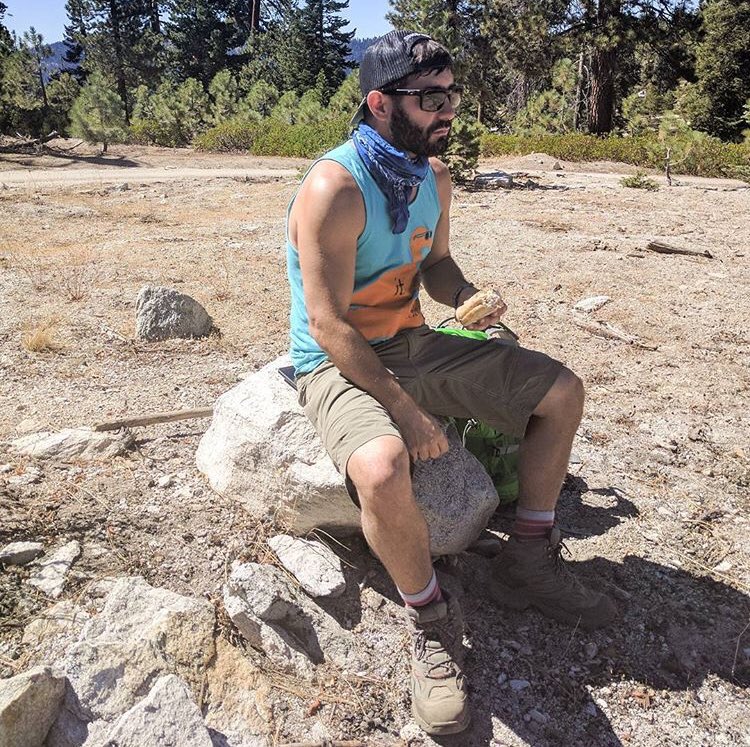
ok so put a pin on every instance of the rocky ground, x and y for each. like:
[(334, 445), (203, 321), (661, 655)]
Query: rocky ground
[(655, 507)]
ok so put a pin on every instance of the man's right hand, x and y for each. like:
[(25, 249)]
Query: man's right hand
[(422, 434)]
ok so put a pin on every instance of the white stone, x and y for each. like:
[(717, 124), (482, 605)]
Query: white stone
[(283, 622), (29, 704), (74, 444), (262, 450), (315, 566), (593, 303), (140, 633), (51, 572), (166, 717), (30, 476), (20, 553)]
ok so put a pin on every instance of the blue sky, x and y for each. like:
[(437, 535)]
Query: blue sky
[(48, 17)]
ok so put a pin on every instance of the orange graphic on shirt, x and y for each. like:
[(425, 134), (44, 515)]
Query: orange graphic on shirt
[(390, 303)]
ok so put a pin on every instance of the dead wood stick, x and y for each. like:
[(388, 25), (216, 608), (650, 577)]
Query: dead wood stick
[(157, 417), (603, 329), (661, 248), (334, 743)]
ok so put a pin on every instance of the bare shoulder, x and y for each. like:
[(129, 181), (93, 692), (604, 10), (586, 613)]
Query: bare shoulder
[(329, 204), (329, 181)]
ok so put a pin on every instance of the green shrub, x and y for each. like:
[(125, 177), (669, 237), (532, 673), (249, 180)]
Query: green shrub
[(708, 157), (228, 136), (639, 181), (273, 137)]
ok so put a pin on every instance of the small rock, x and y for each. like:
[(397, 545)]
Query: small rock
[(31, 476), (591, 304), (502, 678), (20, 553), (591, 649), (51, 573), (518, 685), (557, 166), (538, 716), (315, 566), (74, 444), (724, 566), (164, 313), (5, 468), (29, 704), (166, 481), (124, 187)]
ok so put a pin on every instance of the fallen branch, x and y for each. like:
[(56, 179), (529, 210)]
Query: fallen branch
[(661, 248), (25, 143), (157, 417), (604, 329)]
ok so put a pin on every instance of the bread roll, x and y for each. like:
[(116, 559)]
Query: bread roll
[(478, 306)]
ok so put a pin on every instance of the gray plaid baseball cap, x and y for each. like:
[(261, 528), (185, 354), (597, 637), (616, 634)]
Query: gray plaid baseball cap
[(386, 60)]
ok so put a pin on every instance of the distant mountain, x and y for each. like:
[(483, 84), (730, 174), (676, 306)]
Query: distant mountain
[(358, 47), (56, 62)]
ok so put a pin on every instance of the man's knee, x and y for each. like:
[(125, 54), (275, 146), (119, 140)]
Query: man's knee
[(380, 471), (565, 396)]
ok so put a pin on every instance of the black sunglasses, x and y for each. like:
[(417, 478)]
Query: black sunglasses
[(430, 99)]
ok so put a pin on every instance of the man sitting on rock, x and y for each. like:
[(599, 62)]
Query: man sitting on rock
[(370, 221)]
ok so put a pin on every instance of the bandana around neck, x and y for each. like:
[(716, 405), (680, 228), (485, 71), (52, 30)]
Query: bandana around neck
[(392, 170)]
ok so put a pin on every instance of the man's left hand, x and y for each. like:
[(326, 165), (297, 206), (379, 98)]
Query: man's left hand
[(489, 319)]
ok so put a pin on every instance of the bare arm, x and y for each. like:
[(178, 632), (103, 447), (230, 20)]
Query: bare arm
[(327, 217), (441, 276)]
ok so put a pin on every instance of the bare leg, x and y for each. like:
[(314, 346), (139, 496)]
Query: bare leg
[(545, 450), (391, 520)]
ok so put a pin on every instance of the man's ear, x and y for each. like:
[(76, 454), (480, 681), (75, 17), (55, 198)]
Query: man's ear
[(379, 105)]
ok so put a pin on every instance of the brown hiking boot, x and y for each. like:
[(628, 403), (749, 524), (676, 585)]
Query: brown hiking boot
[(438, 691), (534, 573)]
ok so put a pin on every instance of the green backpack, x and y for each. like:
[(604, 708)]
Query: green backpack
[(497, 452)]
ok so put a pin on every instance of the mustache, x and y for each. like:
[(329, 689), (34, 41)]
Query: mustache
[(439, 126)]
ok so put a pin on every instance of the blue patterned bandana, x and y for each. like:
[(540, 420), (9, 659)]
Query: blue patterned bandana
[(393, 171)]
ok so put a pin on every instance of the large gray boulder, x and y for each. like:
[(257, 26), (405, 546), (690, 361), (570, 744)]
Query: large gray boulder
[(29, 704), (163, 313), (167, 717), (140, 634), (288, 626), (262, 450)]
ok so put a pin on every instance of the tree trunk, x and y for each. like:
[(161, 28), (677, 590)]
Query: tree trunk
[(579, 93), (602, 70), (255, 17), (122, 88), (154, 20), (602, 92)]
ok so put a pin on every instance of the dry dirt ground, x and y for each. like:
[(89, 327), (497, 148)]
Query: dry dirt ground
[(655, 506)]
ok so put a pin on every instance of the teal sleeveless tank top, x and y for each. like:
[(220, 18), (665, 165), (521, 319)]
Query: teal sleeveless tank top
[(385, 296)]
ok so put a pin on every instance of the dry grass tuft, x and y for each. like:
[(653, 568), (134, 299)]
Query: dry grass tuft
[(42, 338)]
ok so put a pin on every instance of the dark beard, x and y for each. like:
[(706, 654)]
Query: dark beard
[(407, 136)]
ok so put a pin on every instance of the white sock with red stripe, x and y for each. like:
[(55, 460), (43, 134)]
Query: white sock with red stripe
[(430, 593), (532, 525)]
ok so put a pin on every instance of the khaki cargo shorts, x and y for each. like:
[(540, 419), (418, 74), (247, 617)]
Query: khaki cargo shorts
[(490, 380)]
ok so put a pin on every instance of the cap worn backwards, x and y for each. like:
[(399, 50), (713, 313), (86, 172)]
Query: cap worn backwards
[(388, 59)]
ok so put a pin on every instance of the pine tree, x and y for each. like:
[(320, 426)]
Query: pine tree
[(261, 99), (200, 37), (318, 46), (75, 36), (723, 66), (286, 108), (98, 115), (225, 98), (347, 98), (62, 92), (462, 155), (33, 43)]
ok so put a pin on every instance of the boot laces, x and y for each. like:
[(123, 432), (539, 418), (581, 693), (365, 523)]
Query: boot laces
[(434, 644), (555, 553)]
